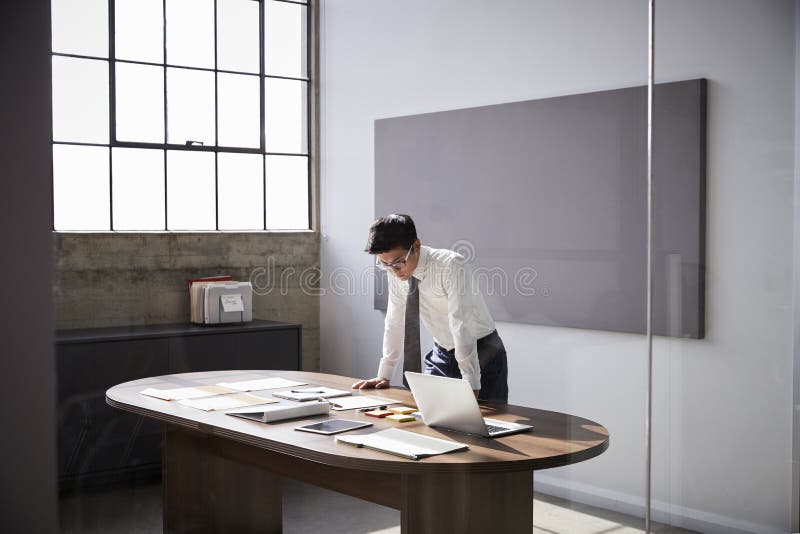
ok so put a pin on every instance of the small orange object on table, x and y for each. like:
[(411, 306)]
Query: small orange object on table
[(378, 413)]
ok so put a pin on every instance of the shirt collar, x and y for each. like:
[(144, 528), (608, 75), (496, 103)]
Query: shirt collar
[(422, 265)]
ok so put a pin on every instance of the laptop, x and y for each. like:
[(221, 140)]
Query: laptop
[(450, 403)]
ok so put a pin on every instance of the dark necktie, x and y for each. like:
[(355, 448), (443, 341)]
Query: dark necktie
[(411, 352)]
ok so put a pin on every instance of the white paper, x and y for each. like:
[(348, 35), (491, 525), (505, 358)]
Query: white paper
[(232, 303), (360, 401), (261, 383), (186, 393), (224, 402)]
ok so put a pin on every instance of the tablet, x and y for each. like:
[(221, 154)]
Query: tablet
[(333, 426)]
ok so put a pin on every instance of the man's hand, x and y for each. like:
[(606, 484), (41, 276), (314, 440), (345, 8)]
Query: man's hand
[(377, 383)]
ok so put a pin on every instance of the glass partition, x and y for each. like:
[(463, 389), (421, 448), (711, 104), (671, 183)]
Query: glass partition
[(723, 427)]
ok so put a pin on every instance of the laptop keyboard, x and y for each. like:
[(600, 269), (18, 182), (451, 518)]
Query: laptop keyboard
[(493, 428)]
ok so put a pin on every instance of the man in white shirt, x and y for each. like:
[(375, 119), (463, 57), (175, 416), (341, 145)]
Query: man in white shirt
[(466, 344)]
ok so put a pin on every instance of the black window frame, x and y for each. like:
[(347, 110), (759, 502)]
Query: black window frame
[(111, 60)]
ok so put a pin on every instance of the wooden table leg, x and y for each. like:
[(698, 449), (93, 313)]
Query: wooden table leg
[(206, 492), (483, 503)]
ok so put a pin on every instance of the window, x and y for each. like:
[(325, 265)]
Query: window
[(173, 115)]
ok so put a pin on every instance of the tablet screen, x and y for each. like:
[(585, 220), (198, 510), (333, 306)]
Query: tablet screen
[(333, 426)]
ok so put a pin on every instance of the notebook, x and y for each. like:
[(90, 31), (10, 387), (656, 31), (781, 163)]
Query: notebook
[(403, 443), (450, 403), (311, 393)]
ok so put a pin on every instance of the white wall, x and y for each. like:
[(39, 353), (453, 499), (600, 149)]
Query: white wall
[(722, 417)]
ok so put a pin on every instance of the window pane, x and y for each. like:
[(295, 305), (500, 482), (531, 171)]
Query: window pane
[(286, 115), (140, 103), (80, 100), (190, 106), (239, 109), (190, 190), (138, 189), (80, 188), (80, 27), (287, 192), (139, 30), (190, 33), (285, 39), (237, 36), (241, 191)]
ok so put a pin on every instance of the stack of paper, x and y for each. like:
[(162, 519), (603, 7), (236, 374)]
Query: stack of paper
[(220, 300), (403, 443), (186, 393), (261, 383), (197, 295), (226, 402)]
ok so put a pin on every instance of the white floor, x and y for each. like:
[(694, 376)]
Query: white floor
[(137, 510)]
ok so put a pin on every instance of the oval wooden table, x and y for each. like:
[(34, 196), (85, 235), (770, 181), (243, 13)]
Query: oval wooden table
[(222, 473)]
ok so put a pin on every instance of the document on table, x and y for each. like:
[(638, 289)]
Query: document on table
[(227, 401), (360, 401), (403, 443), (261, 383), (186, 393)]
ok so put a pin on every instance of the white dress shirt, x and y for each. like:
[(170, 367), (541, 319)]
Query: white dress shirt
[(450, 307)]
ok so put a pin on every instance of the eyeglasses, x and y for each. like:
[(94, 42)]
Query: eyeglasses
[(397, 264)]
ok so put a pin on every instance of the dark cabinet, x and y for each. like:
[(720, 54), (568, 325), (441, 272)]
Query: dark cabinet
[(234, 351), (94, 437), (98, 445)]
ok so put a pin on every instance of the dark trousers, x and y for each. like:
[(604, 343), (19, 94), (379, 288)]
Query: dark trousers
[(493, 361)]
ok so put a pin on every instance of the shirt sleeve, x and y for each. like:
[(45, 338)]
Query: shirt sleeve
[(393, 329), (458, 287)]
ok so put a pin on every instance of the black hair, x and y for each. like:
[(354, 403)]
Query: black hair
[(390, 232)]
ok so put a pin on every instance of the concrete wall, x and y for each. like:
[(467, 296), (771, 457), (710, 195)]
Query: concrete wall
[(722, 425), (130, 279), (28, 415)]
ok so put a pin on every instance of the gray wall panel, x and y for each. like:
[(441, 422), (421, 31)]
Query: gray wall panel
[(547, 198)]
